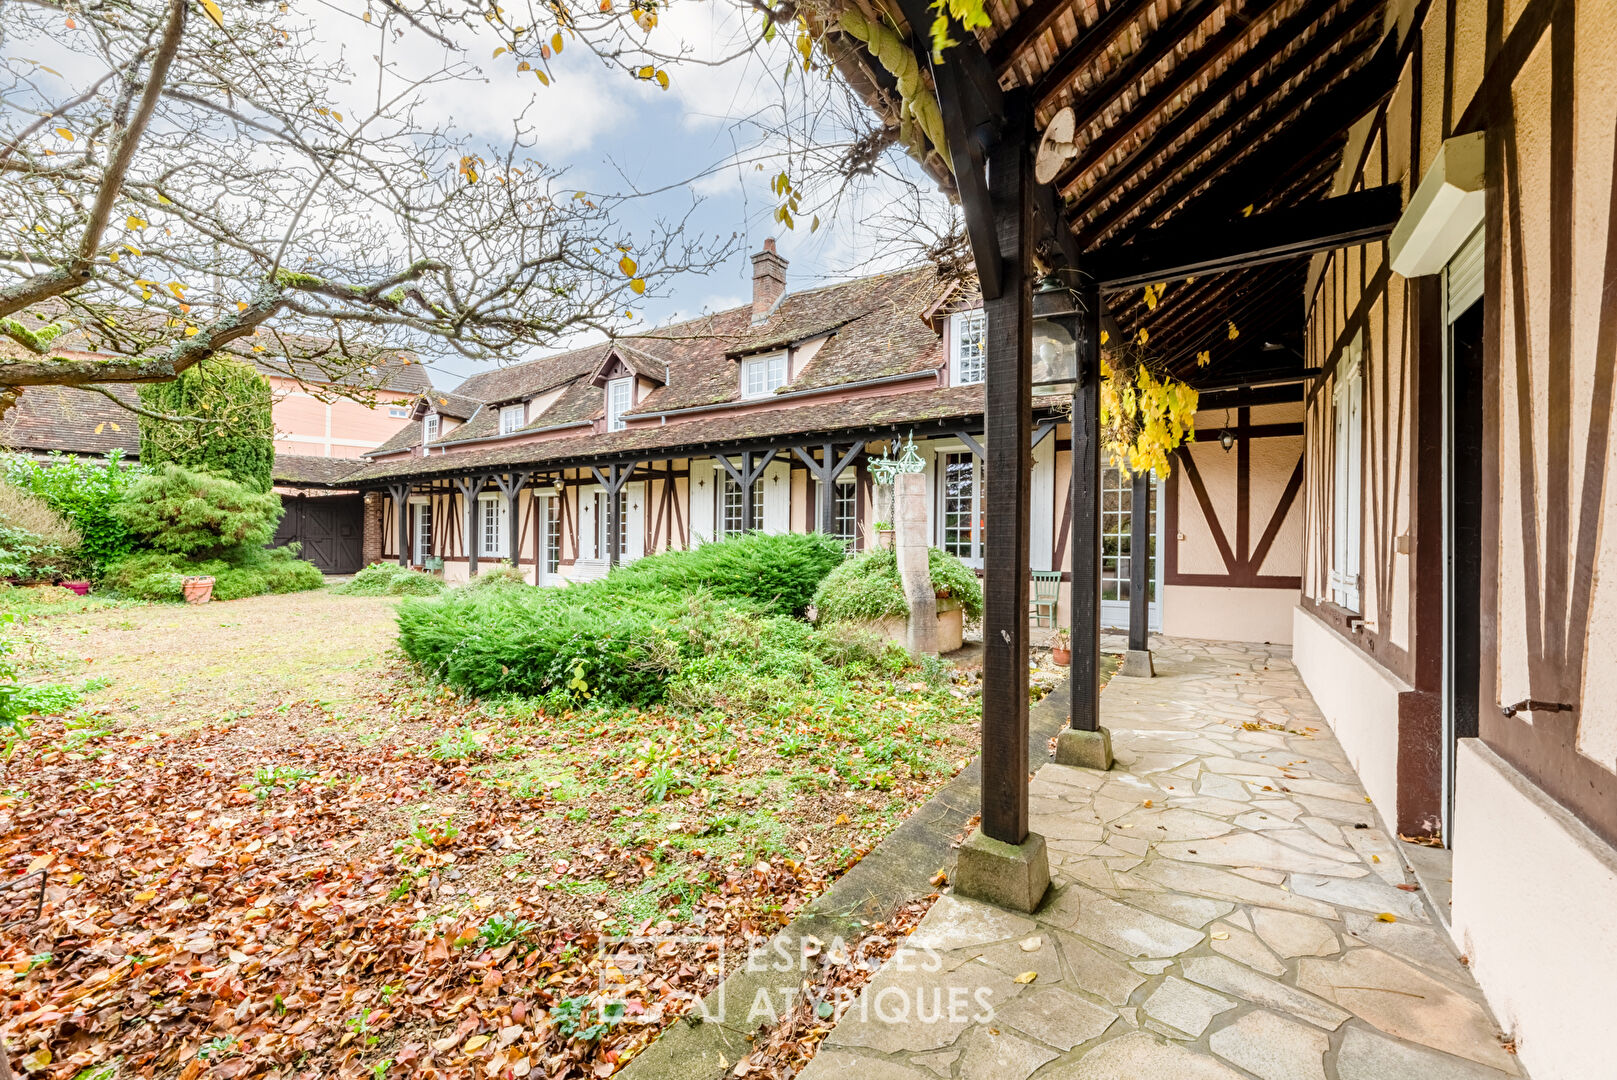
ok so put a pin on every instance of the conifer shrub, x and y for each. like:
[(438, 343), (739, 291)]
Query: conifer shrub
[(779, 570), (198, 514), (867, 587), (391, 579), (236, 438)]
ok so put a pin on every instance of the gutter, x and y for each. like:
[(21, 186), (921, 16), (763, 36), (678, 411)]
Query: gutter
[(444, 446), (885, 380)]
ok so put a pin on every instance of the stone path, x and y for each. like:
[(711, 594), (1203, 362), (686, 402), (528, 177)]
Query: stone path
[(1225, 905)]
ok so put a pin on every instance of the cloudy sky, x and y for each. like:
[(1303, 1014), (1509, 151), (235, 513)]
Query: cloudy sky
[(699, 144)]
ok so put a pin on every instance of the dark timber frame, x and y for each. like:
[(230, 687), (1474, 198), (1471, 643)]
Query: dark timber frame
[(826, 473), (613, 480), (470, 487), (753, 464)]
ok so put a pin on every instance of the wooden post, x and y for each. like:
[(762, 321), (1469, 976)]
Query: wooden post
[(1140, 563), (511, 485), (613, 480), (1009, 463), (470, 487), (401, 514), (745, 477), (1085, 542), (825, 474)]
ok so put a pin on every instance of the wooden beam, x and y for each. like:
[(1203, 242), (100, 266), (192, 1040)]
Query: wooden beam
[(401, 508), (1008, 420), (1184, 74), (1085, 512), (970, 179), (1232, 79), (470, 487), (1090, 44), (1202, 248), (1240, 128)]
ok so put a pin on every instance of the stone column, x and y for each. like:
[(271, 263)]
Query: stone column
[(909, 492)]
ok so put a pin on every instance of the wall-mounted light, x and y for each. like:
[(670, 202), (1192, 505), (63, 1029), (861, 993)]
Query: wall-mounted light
[(1055, 353), (1226, 438)]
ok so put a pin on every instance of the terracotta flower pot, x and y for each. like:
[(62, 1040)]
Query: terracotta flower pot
[(198, 590), (81, 588), (1061, 654), (886, 538)]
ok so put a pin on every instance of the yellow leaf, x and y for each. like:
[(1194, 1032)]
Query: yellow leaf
[(99, 428), (498, 51), (1026, 977), (474, 1042), (64, 133), (135, 222), (1386, 916), (113, 257), (524, 66), (337, 116), (555, 42), (115, 427), (241, 305), (1144, 337), (638, 285), (1234, 333), (366, 16), (191, 331), (627, 265), (142, 897), (215, 16), (543, 78), (1103, 336), (662, 79)]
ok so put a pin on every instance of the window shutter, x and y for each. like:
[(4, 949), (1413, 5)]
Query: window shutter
[(1462, 278), (634, 510), (704, 481)]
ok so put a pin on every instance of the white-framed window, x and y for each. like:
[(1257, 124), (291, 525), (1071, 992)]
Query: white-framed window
[(762, 375), (422, 528), (398, 412), (619, 399), (1348, 490), (732, 523), (960, 496), (842, 509), (968, 353), (512, 418), (603, 523), (552, 535), (492, 527), (429, 428)]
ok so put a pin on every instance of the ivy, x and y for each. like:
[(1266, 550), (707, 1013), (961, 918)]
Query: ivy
[(1144, 417)]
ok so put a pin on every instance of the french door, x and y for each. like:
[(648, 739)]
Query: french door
[(1116, 554)]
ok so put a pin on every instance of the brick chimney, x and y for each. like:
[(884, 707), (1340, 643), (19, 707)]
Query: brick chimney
[(768, 281)]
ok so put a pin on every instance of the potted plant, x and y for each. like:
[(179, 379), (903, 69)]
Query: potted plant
[(198, 588), (1061, 648), (885, 534), (78, 588)]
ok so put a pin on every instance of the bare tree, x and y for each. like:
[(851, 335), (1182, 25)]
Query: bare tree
[(189, 181)]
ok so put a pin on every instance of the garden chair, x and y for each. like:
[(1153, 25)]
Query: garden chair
[(1046, 597)]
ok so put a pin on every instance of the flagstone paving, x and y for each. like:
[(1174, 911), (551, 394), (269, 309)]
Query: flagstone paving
[(1226, 905)]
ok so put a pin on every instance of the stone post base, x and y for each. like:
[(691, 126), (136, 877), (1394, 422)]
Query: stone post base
[(1137, 664), (1013, 876), (1085, 749)]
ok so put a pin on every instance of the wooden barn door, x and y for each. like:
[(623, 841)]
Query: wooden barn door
[(329, 528)]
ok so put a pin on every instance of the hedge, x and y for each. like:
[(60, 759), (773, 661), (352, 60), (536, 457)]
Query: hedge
[(867, 587)]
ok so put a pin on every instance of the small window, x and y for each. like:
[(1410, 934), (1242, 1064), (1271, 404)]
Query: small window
[(512, 418), (763, 375), (619, 399), (398, 412), (968, 359), (494, 528), (603, 526), (962, 524), (842, 509), (429, 427)]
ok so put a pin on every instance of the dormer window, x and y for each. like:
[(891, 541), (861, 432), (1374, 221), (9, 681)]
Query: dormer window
[(619, 400), (429, 428), (763, 375), (512, 418), (968, 353)]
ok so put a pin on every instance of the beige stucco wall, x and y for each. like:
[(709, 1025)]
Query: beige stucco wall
[(1359, 699), (1227, 614)]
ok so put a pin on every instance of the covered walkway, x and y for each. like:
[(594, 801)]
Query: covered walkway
[(1225, 904)]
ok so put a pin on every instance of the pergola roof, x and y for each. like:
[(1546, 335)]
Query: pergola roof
[(1199, 110)]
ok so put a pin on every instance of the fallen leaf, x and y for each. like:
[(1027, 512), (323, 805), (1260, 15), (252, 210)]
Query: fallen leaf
[(1026, 977), (1032, 944), (1386, 916)]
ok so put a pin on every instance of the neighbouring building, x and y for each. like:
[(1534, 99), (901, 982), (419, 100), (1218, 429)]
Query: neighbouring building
[(767, 416)]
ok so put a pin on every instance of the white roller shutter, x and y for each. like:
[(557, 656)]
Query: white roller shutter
[(1042, 525), (1462, 278)]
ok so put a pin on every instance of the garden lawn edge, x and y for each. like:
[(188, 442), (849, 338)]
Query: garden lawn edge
[(899, 869)]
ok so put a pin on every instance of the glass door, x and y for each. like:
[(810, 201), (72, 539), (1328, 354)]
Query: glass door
[(1116, 558)]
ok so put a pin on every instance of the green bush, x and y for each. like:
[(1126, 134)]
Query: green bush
[(155, 575), (698, 629), (87, 494), (503, 576), (780, 570), (867, 587), (391, 579), (198, 514), (36, 543), (239, 445)]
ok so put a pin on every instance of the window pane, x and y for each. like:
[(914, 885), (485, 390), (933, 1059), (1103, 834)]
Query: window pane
[(553, 537), (959, 509), (970, 361)]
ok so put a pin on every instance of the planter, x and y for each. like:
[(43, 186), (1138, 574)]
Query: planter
[(433, 564), (951, 627), (1061, 655), (886, 538), (198, 589), (80, 588)]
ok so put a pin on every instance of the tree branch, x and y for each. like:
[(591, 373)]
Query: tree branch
[(141, 410)]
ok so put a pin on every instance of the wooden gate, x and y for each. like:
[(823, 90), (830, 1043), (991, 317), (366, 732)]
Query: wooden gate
[(330, 528)]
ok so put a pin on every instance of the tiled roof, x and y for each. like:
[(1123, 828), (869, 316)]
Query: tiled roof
[(932, 407), (520, 381), (71, 420), (298, 469), (454, 404)]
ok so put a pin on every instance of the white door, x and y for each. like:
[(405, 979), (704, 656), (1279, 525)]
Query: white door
[(634, 523), (1116, 558), (704, 481), (777, 482)]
